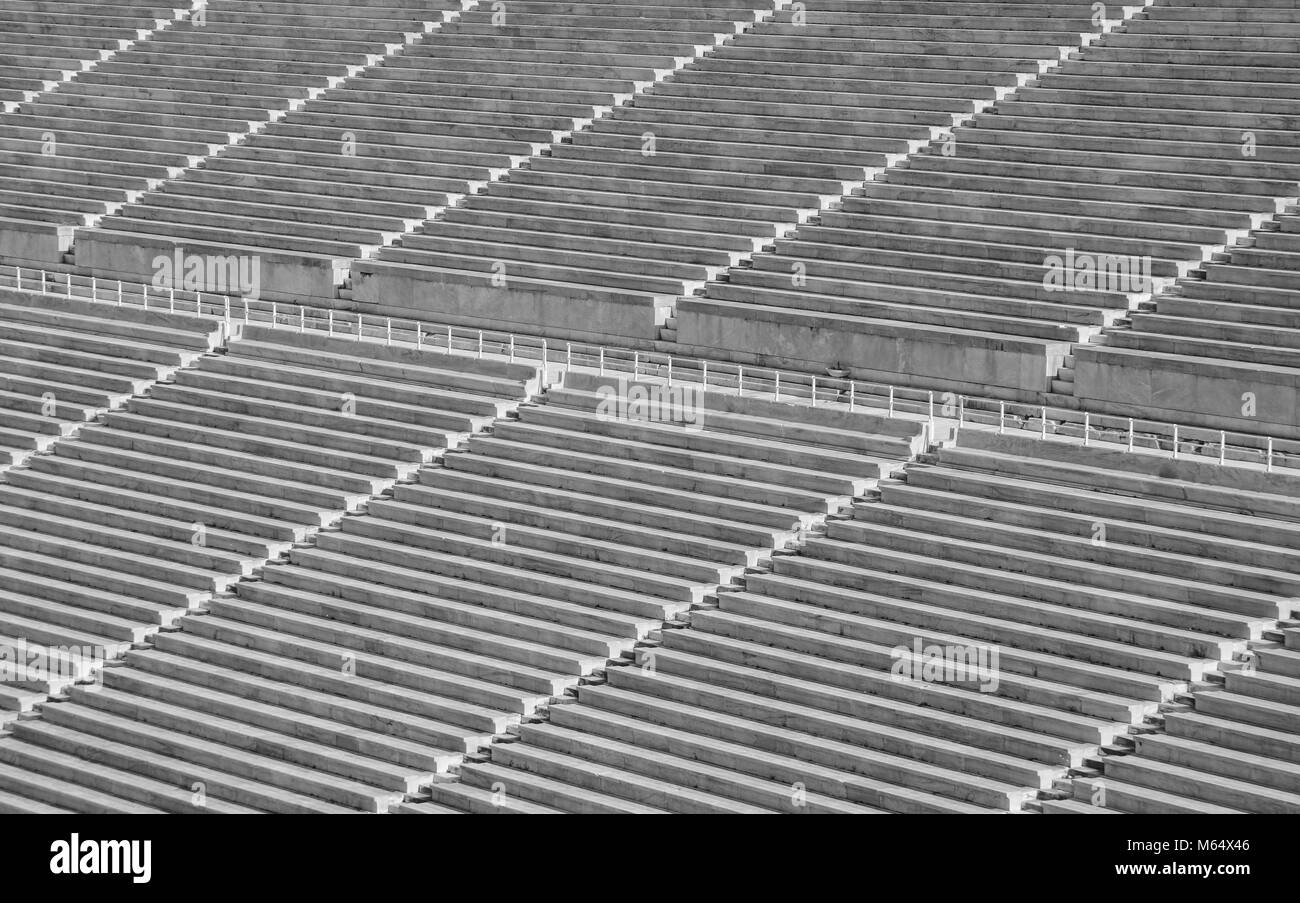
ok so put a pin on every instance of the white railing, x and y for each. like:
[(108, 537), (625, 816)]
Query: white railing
[(960, 411)]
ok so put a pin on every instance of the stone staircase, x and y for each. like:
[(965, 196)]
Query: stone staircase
[(1229, 328), (1233, 745)]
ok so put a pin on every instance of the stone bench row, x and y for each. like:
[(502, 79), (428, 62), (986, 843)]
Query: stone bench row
[(149, 742), (45, 43), (357, 167), (556, 563), (1237, 749), (807, 111), (467, 601), (679, 733), (261, 73), (757, 724), (1074, 162), (784, 694), (63, 366), (64, 363), (180, 493), (311, 255), (1212, 339)]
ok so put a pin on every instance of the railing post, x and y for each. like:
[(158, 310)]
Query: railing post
[(545, 363), (670, 371), (636, 365), (1223, 446), (302, 319), (361, 325), (388, 331), (480, 344), (740, 380), (568, 356), (18, 278), (929, 398), (94, 288), (778, 384), (1002, 417), (119, 293), (42, 282), (814, 391), (225, 303), (1087, 427), (275, 314), (331, 316), (68, 288), (1268, 460), (1130, 434), (1043, 425), (512, 347), (419, 336), (852, 394), (602, 360), (891, 402), (144, 285), (171, 299), (1175, 442)]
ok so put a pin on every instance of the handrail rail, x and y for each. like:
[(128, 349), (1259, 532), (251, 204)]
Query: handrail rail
[(1233, 448)]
